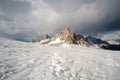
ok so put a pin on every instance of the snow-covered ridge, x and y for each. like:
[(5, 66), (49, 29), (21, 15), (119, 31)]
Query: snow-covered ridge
[(28, 61)]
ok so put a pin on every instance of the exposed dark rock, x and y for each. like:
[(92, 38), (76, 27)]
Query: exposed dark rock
[(103, 44), (111, 47), (46, 37), (35, 41), (81, 40), (93, 40)]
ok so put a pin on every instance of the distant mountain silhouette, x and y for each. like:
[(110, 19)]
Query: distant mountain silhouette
[(103, 44)]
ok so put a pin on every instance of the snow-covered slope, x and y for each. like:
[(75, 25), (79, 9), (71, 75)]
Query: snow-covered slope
[(27, 61)]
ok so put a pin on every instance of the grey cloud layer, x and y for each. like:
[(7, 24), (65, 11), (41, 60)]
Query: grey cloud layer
[(37, 17)]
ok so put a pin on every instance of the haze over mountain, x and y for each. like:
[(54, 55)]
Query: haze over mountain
[(29, 19)]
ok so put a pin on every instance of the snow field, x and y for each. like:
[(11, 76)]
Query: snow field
[(27, 61)]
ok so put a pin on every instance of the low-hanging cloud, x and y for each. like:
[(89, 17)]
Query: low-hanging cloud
[(27, 19)]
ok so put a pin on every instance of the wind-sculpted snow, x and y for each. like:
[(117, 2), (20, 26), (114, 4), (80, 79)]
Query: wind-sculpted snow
[(27, 61)]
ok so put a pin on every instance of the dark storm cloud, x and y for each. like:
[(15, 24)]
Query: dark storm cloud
[(37, 17), (107, 12), (67, 6), (13, 7)]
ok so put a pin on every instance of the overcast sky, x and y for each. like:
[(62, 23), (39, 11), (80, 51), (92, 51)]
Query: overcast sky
[(26, 19)]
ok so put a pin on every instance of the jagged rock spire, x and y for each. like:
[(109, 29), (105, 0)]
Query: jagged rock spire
[(67, 35), (67, 29), (70, 37)]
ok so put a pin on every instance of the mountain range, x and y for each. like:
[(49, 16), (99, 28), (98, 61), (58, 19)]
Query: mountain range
[(67, 36)]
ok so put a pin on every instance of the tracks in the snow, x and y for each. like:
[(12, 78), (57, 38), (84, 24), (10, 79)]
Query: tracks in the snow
[(60, 66)]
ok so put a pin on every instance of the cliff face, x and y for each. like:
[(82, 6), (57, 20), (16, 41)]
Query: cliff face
[(67, 35), (82, 41), (70, 37)]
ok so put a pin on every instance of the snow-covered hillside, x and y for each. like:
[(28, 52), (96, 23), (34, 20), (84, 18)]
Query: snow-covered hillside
[(28, 61)]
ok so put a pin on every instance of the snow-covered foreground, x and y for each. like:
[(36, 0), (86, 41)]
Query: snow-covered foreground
[(27, 61)]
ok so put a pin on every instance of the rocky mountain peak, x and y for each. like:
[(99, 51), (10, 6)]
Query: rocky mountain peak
[(67, 29), (70, 37), (67, 35)]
